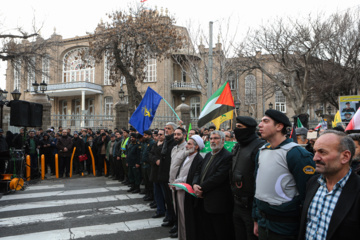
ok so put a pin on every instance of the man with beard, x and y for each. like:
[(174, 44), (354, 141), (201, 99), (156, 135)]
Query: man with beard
[(133, 156), (147, 145), (211, 185), (177, 157), (282, 169), (119, 173), (102, 142), (110, 155), (64, 146), (19, 140), (89, 143), (32, 144), (46, 149), (331, 209), (163, 174), (154, 157), (185, 174), (355, 165), (80, 150), (242, 175)]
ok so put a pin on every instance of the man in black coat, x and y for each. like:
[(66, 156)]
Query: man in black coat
[(101, 144), (80, 150), (211, 185), (331, 208), (242, 176)]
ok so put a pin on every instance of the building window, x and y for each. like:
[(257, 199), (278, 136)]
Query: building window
[(195, 107), (183, 76), (45, 69), (280, 101), (17, 75), (250, 89), (78, 66), (231, 80), (108, 106), (150, 70), (106, 70), (31, 72)]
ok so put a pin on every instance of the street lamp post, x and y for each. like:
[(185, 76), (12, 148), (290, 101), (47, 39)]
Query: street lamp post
[(271, 105), (237, 107)]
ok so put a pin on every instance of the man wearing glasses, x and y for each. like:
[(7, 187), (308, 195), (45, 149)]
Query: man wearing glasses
[(211, 185)]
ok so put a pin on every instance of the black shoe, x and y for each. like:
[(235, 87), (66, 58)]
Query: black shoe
[(110, 176), (106, 175), (158, 215), (148, 199), (143, 191), (131, 189), (166, 219), (173, 229), (174, 235), (125, 182), (168, 224), (153, 206), (137, 190)]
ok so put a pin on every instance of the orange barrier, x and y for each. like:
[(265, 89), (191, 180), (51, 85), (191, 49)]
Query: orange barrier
[(71, 161), (105, 167), (57, 165), (43, 167), (28, 168), (93, 161)]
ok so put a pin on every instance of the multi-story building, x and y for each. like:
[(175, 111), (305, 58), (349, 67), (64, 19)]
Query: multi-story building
[(81, 94)]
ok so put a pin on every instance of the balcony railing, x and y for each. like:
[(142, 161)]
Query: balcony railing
[(75, 122), (186, 86)]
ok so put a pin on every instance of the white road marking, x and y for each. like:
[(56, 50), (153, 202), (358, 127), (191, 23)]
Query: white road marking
[(90, 231), (60, 216), (59, 203), (112, 182), (61, 193), (45, 187)]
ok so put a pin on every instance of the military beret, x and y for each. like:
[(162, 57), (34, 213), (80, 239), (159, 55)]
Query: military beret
[(247, 121), (133, 135), (301, 131), (103, 134), (278, 117), (125, 130), (138, 136), (132, 129), (148, 132)]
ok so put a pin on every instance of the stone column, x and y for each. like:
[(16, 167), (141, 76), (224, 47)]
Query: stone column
[(46, 116), (121, 115), (183, 111)]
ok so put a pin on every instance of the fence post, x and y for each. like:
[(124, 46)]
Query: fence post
[(57, 165), (42, 166), (71, 162), (28, 168), (93, 161)]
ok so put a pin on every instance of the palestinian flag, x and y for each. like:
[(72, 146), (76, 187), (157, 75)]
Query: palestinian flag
[(218, 104), (354, 123), (186, 187)]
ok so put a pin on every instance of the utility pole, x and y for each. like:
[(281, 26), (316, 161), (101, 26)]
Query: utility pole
[(209, 92)]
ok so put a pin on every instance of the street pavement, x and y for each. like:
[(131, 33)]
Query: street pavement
[(78, 208)]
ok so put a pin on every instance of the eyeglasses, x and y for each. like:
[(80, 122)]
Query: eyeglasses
[(214, 138)]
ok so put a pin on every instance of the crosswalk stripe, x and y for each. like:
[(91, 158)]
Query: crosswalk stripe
[(112, 182), (61, 193), (60, 216), (45, 187), (59, 203), (90, 231)]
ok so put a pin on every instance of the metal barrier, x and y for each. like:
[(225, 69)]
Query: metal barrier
[(83, 121)]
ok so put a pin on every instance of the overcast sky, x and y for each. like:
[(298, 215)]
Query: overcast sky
[(77, 17)]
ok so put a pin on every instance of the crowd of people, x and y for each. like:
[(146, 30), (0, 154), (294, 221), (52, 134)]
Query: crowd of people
[(267, 187)]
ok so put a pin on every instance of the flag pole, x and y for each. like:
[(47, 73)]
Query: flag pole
[(171, 109)]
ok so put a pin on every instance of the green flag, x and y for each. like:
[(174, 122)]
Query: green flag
[(228, 146), (188, 132), (299, 124)]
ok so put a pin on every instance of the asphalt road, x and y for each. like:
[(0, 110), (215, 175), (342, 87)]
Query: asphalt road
[(78, 208)]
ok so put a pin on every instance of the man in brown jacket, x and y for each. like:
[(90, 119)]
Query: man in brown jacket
[(64, 146)]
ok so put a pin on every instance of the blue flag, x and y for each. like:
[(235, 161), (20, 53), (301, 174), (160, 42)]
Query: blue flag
[(144, 114)]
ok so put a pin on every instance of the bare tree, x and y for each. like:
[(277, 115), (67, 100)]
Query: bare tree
[(129, 40), (299, 49)]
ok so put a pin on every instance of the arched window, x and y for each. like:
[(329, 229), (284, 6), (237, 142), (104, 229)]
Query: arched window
[(79, 66), (231, 80), (280, 101), (250, 89), (45, 69), (195, 107), (108, 106), (17, 75), (150, 70)]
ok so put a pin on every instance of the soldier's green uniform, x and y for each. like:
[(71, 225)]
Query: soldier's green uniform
[(133, 157)]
